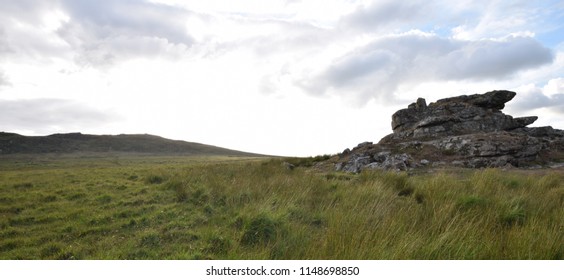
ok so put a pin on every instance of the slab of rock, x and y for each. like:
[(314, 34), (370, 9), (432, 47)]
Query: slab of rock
[(466, 131), (460, 115)]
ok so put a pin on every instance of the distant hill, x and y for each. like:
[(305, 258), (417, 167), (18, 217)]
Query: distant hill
[(12, 143)]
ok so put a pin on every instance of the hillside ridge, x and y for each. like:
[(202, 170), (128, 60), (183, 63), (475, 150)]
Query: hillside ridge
[(64, 143)]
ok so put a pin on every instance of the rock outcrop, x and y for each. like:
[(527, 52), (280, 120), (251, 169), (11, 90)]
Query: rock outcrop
[(465, 131)]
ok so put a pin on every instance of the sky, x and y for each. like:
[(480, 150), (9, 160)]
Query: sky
[(287, 77)]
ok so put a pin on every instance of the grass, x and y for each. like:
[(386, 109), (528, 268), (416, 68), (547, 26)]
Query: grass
[(233, 208)]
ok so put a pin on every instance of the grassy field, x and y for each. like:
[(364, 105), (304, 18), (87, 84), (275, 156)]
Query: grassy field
[(242, 208)]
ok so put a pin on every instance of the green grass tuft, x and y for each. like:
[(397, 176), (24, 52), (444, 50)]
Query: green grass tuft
[(261, 230), (470, 202), (154, 179)]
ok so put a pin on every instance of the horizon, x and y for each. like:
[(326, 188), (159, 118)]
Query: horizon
[(269, 77)]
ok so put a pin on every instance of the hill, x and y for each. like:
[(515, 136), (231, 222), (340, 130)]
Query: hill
[(12, 143)]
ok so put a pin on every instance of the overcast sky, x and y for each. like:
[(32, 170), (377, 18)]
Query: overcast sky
[(286, 77)]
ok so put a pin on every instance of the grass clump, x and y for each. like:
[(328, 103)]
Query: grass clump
[(23, 186), (516, 215), (104, 199), (218, 245), (154, 179), (471, 202), (261, 230), (307, 161), (150, 240)]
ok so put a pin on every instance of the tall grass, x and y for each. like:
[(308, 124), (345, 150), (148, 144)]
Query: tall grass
[(179, 209)]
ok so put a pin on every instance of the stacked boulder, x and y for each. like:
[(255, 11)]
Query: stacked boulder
[(465, 131)]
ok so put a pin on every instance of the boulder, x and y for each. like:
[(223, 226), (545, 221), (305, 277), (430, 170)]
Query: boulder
[(456, 116), (464, 131)]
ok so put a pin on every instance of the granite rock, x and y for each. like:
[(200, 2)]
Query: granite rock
[(463, 131)]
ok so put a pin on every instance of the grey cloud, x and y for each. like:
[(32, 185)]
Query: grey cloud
[(21, 33), (379, 14), (486, 18), (493, 59), (104, 32), (4, 43), (535, 99), (45, 114), (379, 68), (97, 32), (105, 18), (358, 65)]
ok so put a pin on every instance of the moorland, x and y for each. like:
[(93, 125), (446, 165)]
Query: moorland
[(123, 206)]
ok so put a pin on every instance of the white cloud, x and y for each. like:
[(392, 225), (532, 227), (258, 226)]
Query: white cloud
[(3, 80), (379, 68), (495, 19), (540, 100), (129, 17), (531, 97), (105, 32), (26, 32), (28, 11), (554, 87)]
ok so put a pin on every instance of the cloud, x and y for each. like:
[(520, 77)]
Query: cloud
[(487, 59), (531, 97), (130, 17), (24, 12), (4, 43), (379, 14), (44, 115), (25, 30), (499, 18), (468, 20), (3, 80), (92, 32), (103, 32), (379, 68)]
